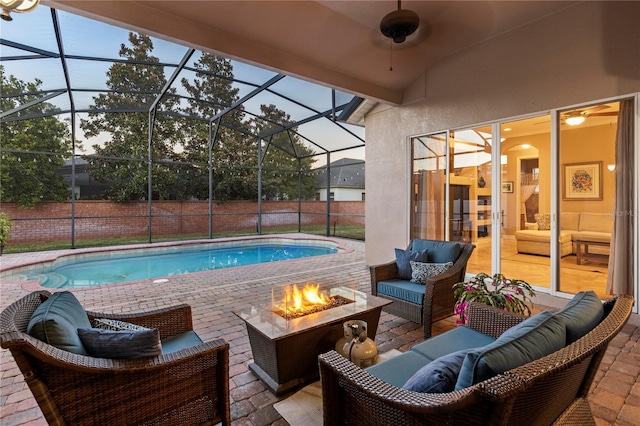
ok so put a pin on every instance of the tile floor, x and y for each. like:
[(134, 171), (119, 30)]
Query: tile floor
[(214, 295)]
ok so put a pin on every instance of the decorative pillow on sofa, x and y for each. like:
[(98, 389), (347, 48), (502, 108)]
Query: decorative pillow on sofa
[(102, 343), (420, 271), (56, 322), (534, 338), (439, 376), (581, 314), (543, 221), (116, 325), (403, 257)]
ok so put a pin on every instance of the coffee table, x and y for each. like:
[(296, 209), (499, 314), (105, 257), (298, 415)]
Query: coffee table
[(285, 353), (582, 252)]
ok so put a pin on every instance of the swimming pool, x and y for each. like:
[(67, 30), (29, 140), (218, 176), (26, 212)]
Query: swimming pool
[(124, 265)]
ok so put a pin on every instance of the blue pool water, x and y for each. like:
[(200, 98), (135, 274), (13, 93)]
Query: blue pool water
[(114, 268)]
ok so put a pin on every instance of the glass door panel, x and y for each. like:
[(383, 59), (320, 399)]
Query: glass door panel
[(470, 178), (587, 196), (525, 200), (428, 180)]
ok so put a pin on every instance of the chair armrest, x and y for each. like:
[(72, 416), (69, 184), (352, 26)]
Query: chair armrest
[(169, 321), (491, 321), (384, 271)]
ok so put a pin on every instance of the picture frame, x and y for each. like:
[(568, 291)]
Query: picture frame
[(507, 186), (582, 181)]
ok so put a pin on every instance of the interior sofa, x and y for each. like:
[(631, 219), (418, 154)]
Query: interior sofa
[(148, 368), (573, 227), (431, 299), (514, 370)]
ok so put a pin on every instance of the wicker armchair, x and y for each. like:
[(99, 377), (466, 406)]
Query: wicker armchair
[(438, 300), (550, 390), (190, 386)]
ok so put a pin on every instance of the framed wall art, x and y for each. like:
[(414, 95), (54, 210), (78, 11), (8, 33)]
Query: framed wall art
[(507, 186), (582, 181)]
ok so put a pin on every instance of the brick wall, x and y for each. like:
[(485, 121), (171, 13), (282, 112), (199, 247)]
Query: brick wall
[(51, 221)]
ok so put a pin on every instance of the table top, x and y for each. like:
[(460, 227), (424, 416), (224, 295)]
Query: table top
[(263, 319)]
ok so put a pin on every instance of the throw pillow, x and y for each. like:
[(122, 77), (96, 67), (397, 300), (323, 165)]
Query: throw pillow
[(543, 221), (439, 376), (116, 325), (101, 343), (56, 322), (420, 271), (542, 335), (403, 257), (581, 314)]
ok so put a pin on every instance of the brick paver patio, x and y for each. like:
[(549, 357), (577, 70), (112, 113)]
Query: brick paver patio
[(214, 295)]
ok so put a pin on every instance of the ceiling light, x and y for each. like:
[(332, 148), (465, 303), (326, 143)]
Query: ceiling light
[(506, 129), (19, 6), (575, 120), (399, 24), (525, 146)]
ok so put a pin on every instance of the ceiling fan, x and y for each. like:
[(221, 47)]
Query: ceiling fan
[(399, 24), (578, 116)]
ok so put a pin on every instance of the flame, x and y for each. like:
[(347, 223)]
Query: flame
[(297, 301)]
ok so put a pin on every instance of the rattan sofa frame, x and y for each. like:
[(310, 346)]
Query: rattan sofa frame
[(550, 390), (189, 386), (438, 301)]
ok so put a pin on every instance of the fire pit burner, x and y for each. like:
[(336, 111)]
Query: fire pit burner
[(332, 303)]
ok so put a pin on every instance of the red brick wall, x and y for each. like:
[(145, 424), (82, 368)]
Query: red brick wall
[(51, 221)]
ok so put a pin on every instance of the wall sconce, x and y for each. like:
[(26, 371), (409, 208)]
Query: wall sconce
[(611, 167), (19, 6)]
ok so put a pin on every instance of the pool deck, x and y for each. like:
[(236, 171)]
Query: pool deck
[(214, 295)]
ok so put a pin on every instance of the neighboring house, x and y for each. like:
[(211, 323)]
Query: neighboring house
[(346, 182), (85, 188)]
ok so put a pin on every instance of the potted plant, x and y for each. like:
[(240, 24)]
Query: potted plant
[(497, 291), (5, 230)]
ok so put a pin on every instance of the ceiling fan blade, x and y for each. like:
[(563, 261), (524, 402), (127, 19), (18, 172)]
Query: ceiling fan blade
[(595, 108), (604, 114)]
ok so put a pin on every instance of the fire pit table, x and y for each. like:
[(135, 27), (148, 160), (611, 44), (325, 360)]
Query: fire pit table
[(285, 351)]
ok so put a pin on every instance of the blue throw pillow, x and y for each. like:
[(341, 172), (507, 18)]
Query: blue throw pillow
[(581, 314), (439, 376), (403, 257), (101, 343), (534, 338), (439, 251), (56, 322)]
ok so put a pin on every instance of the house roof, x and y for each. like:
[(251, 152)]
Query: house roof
[(345, 173)]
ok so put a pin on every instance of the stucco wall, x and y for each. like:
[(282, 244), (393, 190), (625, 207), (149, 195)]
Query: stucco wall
[(587, 52)]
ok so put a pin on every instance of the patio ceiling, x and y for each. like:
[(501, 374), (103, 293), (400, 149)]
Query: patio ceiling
[(337, 43)]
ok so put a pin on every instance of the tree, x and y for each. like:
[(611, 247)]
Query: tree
[(234, 153), (280, 157), (28, 171), (135, 85)]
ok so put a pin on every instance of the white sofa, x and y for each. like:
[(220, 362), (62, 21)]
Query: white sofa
[(595, 227)]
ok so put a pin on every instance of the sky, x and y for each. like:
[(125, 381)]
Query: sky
[(85, 37)]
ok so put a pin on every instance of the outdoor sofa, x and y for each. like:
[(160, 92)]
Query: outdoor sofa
[(536, 374), (186, 384), (428, 302)]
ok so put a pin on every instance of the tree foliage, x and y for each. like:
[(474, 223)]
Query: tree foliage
[(135, 85), (28, 168), (280, 157)]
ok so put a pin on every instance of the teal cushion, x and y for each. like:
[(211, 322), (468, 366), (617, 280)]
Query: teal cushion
[(180, 341), (581, 314), (57, 320), (438, 251), (403, 259), (402, 289), (397, 370), (534, 338), (439, 376), (101, 343), (451, 341)]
